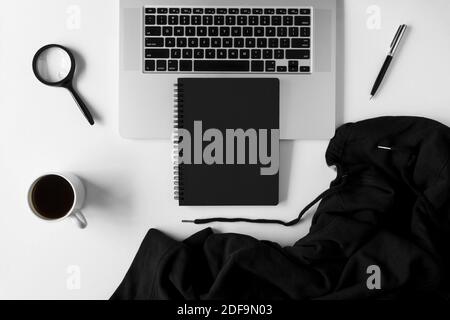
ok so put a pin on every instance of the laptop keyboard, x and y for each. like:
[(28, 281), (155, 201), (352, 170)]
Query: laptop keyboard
[(228, 40)]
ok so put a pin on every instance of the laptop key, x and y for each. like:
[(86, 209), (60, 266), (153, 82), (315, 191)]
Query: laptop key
[(161, 65), (216, 42), (196, 20), (152, 31), (167, 31), (276, 20), (281, 32), (236, 31), (256, 54), (239, 42), (304, 69), (250, 42), (184, 20), (257, 11), (210, 53), (288, 20), (204, 42), (305, 32), (253, 20), (257, 66), (161, 20), (170, 42), (185, 65), (199, 53), (150, 20), (297, 54), (150, 65), (285, 43), (221, 54), (207, 20), (150, 10), (293, 66), (230, 20), (244, 54), (202, 31), (172, 65), (261, 43), (270, 32), (273, 43), (279, 54), (227, 42), (190, 31), (259, 32), (302, 20), (305, 11), (293, 32), (269, 11), (221, 65), (193, 42), (247, 32), (181, 42), (281, 69), (219, 20), (175, 53), (224, 31), (173, 20), (264, 20), (178, 31), (162, 10), (154, 42), (213, 31), (187, 53), (267, 54), (270, 66), (242, 20), (156, 53), (300, 43), (233, 54)]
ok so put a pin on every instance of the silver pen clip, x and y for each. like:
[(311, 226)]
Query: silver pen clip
[(397, 39)]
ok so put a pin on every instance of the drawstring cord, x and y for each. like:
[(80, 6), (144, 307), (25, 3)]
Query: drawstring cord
[(323, 195), (333, 190)]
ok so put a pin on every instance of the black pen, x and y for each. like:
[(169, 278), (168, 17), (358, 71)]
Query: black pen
[(394, 46)]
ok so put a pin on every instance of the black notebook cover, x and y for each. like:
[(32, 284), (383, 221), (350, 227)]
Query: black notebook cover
[(226, 104)]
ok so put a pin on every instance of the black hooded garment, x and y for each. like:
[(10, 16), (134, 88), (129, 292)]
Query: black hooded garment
[(389, 206)]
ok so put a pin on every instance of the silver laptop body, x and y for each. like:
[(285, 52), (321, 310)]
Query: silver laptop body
[(307, 99)]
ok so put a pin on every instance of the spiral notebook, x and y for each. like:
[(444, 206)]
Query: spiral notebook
[(226, 141)]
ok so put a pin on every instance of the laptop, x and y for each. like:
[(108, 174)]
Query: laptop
[(292, 40)]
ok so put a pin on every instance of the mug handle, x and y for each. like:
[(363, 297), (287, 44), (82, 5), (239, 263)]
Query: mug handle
[(79, 219)]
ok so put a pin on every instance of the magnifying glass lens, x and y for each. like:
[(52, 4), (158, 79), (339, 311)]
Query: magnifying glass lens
[(53, 64)]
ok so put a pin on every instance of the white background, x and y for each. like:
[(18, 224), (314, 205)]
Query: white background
[(129, 183)]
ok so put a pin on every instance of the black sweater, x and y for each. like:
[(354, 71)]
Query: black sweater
[(389, 207)]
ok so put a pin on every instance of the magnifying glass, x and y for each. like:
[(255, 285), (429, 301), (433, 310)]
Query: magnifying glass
[(54, 65)]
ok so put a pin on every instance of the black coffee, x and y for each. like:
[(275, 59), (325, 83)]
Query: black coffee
[(52, 197)]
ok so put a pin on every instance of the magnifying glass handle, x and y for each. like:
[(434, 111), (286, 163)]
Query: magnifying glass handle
[(81, 105)]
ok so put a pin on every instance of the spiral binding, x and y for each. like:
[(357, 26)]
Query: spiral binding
[(178, 124)]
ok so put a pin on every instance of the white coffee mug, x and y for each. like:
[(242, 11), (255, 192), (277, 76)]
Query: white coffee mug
[(47, 186)]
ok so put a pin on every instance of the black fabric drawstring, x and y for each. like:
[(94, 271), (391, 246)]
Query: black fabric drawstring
[(323, 195)]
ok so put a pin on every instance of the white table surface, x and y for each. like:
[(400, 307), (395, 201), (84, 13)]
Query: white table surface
[(129, 183)]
